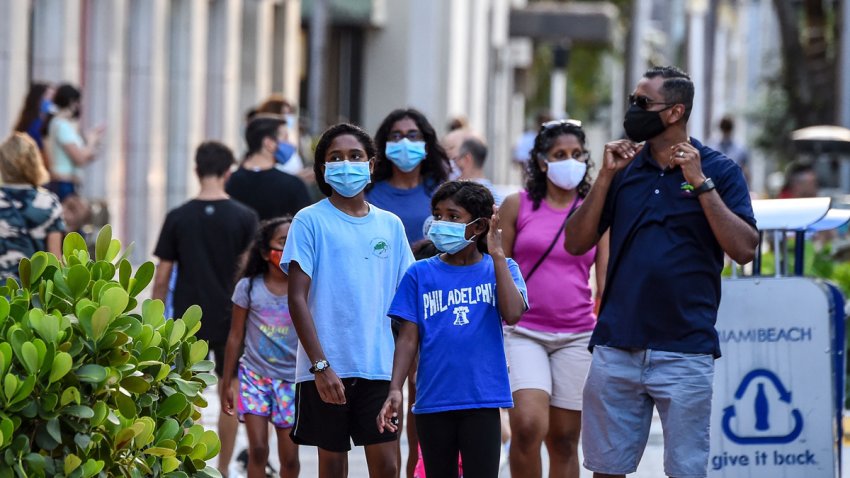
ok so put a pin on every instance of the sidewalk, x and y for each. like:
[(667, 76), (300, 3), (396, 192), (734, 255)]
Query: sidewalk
[(651, 466)]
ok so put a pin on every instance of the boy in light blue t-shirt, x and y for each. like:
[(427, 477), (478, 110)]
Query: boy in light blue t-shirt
[(345, 259), (451, 307)]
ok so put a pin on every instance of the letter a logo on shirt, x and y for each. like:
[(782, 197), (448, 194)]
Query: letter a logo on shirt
[(460, 315)]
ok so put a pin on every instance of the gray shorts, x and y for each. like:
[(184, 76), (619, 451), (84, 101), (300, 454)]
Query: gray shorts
[(621, 389)]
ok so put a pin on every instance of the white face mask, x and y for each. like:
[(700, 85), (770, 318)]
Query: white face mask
[(566, 174)]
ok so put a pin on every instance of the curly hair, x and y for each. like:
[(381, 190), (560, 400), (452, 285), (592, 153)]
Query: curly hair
[(535, 181), (434, 168), (256, 265), (324, 143), (475, 198)]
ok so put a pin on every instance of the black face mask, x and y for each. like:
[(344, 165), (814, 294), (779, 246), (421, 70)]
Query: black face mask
[(641, 125)]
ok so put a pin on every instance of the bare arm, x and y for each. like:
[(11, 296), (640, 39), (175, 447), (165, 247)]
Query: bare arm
[(582, 229), (329, 386), (80, 155), (231, 351), (406, 348), (508, 298), (161, 279), (602, 253), (54, 243), (736, 237), (509, 212)]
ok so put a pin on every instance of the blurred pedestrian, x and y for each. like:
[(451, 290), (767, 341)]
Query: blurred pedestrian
[(547, 349), (258, 183), (262, 327), (457, 122), (467, 153), (731, 148), (410, 165), (37, 106), (525, 142), (451, 309), (206, 239), (673, 207), (30, 216), (288, 158), (801, 181), (69, 151), (345, 258)]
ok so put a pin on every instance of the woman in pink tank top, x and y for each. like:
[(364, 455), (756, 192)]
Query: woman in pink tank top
[(547, 351)]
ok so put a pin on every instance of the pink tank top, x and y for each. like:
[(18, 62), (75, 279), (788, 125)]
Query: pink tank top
[(559, 294)]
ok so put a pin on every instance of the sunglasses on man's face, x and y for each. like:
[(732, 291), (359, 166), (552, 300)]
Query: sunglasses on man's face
[(643, 102)]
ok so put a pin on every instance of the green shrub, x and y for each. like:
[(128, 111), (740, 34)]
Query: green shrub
[(91, 387)]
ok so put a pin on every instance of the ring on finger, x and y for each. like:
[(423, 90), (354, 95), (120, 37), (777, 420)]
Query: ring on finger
[(680, 154)]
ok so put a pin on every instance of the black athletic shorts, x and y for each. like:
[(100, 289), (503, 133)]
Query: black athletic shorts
[(333, 427)]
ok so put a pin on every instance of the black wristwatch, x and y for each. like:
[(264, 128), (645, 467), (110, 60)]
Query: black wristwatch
[(705, 187), (319, 366)]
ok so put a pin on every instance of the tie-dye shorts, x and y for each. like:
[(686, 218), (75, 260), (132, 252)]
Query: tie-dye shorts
[(266, 397)]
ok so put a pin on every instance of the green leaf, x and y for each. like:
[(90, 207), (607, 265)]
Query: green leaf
[(100, 321), (78, 280), (167, 431), (46, 326), (113, 250), (104, 239), (25, 272), (203, 366), (137, 385), (62, 363), (79, 411), (5, 357), (92, 373), (72, 462), (198, 351), (144, 427), (4, 309), (24, 390), (125, 405), (172, 405), (153, 312), (54, 430), (29, 356), (116, 299), (73, 242), (169, 464), (71, 395), (10, 386), (124, 437), (177, 332), (100, 412), (192, 319), (160, 451), (212, 443), (144, 275), (38, 263), (92, 467)]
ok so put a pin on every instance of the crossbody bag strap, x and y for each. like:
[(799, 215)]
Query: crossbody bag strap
[(554, 241)]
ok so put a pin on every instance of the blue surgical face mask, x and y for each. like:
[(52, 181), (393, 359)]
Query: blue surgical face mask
[(406, 154), (450, 237), (346, 177), (284, 152)]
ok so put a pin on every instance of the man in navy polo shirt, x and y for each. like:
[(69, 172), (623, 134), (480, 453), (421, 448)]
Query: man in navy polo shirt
[(673, 207)]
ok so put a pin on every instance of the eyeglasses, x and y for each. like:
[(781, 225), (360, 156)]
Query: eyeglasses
[(555, 123), (643, 102), (582, 156), (412, 135)]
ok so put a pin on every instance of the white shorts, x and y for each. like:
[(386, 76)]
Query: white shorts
[(556, 363)]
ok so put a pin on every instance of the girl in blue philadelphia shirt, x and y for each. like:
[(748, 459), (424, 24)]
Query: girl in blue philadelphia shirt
[(451, 308)]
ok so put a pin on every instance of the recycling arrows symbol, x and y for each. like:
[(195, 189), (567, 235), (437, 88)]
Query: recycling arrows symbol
[(784, 396)]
